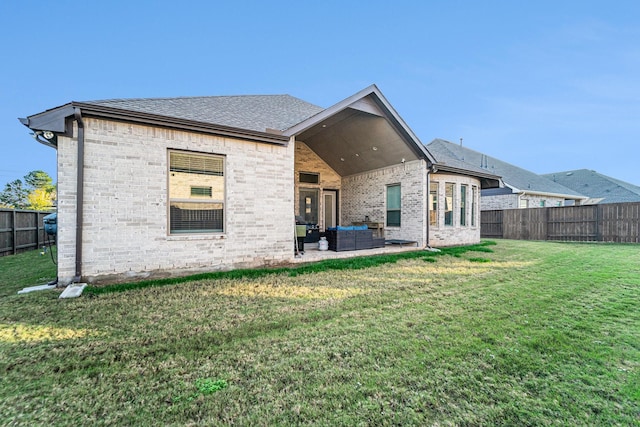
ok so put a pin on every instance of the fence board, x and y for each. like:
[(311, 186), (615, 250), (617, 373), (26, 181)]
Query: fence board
[(617, 222), (491, 224), (21, 230)]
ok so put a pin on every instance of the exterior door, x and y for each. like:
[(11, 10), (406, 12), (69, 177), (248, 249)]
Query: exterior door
[(330, 209)]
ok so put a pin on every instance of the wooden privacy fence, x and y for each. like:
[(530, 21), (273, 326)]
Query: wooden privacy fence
[(21, 231), (616, 222)]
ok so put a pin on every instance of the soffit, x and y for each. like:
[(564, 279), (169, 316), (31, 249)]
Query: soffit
[(357, 139)]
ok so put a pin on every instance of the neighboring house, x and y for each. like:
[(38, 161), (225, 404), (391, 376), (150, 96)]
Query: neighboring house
[(522, 188), (599, 188), (153, 187)]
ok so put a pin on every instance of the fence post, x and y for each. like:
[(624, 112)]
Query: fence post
[(598, 219), (15, 232), (546, 224), (37, 214)]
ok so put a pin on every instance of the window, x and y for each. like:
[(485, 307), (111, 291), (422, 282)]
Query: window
[(196, 193), (433, 204), (201, 191), (474, 206), (393, 205), (463, 205), (449, 198), (309, 178), (309, 204), (542, 203)]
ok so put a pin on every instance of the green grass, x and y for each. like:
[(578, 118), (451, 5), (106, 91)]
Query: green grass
[(355, 263), (26, 269), (542, 334)]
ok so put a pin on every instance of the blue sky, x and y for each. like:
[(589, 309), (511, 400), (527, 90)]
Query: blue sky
[(545, 85)]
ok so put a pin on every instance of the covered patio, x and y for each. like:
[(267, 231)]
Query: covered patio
[(358, 162)]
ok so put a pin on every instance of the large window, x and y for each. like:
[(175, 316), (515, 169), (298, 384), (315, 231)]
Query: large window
[(196, 193), (433, 204), (393, 205), (449, 199), (463, 205)]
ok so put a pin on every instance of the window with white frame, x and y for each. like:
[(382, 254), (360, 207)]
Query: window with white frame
[(449, 200), (463, 204), (394, 201), (196, 193), (433, 204), (474, 205)]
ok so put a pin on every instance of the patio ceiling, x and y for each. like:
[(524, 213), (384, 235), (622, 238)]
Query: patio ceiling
[(354, 141)]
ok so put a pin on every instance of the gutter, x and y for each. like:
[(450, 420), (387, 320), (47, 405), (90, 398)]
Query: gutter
[(77, 114)]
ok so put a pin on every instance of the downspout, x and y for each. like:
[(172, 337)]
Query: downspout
[(79, 193), (428, 219)]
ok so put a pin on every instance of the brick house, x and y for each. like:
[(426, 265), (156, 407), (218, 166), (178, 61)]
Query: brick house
[(157, 187)]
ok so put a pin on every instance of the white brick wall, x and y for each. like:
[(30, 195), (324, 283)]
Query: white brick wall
[(365, 195), (125, 212), (441, 235)]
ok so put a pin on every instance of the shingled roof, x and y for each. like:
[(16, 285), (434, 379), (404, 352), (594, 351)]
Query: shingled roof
[(597, 186), (252, 112), (513, 176)]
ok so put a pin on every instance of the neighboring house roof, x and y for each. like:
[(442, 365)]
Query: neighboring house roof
[(602, 188), (514, 177)]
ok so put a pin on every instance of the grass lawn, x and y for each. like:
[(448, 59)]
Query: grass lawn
[(518, 333)]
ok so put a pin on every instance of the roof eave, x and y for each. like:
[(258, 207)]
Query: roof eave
[(491, 181), (546, 193), (447, 168), (55, 120)]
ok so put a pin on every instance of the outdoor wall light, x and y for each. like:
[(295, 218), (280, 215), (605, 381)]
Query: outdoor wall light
[(48, 134), (374, 148)]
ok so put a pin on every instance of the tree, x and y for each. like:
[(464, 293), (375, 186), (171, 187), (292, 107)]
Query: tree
[(15, 195), (40, 200), (39, 193), (39, 180)]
